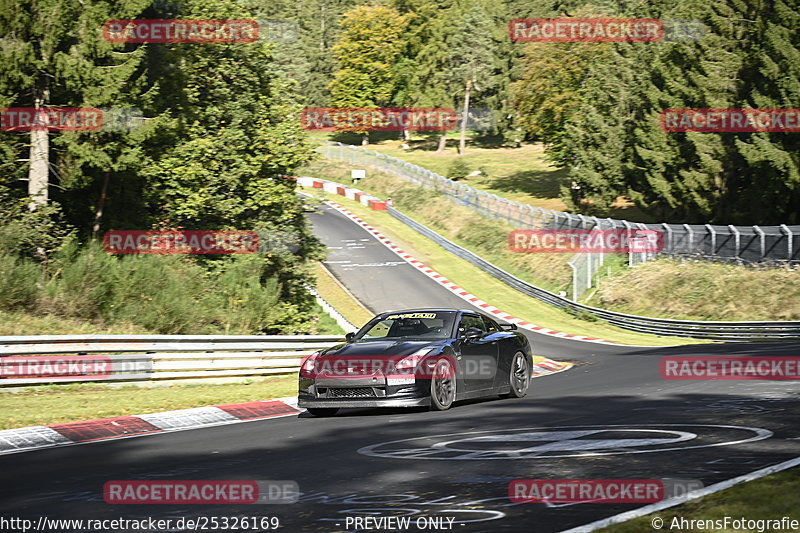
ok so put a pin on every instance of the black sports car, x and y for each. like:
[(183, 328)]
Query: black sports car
[(418, 357)]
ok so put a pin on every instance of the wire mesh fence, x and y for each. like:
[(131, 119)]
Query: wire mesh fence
[(740, 244), (585, 267)]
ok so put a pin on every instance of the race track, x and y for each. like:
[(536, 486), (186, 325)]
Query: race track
[(455, 464)]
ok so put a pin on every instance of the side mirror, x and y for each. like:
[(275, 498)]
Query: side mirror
[(508, 327), (472, 333), (350, 336)]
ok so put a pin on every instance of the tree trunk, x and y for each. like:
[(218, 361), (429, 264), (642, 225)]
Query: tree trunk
[(98, 215), (38, 171), (442, 142), (406, 135), (463, 141)]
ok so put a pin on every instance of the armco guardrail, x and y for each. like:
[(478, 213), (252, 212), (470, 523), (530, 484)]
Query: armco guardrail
[(740, 244), (157, 357), (729, 331)]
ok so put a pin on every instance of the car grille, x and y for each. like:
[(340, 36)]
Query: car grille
[(357, 392)]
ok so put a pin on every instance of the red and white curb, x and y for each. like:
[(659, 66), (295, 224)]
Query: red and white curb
[(548, 367), (121, 427), (349, 192)]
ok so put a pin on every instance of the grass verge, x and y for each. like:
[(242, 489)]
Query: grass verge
[(768, 498), (700, 290), (26, 323), (52, 404), (490, 289), (341, 300)]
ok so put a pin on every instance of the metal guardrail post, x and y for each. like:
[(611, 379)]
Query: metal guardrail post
[(631, 260), (691, 237), (713, 239), (763, 239), (789, 247), (670, 244), (574, 267), (737, 239)]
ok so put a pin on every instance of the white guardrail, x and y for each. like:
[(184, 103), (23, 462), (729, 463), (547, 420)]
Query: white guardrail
[(42, 359)]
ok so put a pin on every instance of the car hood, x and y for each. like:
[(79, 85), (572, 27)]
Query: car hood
[(381, 348)]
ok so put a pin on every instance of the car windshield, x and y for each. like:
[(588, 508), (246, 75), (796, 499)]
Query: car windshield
[(418, 325)]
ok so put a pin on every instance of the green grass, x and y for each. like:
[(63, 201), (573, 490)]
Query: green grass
[(490, 289), (326, 325), (339, 298), (700, 290), (26, 323), (52, 404), (768, 498)]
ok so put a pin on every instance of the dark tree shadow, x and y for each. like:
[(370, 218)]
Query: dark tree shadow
[(538, 183)]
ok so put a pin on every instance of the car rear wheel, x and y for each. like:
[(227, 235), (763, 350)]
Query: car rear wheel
[(443, 386), (323, 411), (519, 377)]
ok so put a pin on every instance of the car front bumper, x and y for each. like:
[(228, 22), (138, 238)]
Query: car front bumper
[(365, 402)]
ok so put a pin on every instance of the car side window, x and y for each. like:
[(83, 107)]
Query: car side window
[(491, 327), (381, 329), (470, 321)]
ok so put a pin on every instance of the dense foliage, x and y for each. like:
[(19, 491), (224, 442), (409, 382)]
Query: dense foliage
[(219, 134)]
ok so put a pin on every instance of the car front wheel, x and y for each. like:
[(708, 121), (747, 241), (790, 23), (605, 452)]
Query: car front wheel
[(519, 377), (443, 386)]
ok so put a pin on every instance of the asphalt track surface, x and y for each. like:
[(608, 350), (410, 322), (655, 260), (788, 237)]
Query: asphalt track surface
[(614, 404)]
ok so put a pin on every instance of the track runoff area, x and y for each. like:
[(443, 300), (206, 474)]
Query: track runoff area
[(624, 431)]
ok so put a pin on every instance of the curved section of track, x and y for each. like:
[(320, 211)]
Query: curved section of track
[(382, 281), (612, 416)]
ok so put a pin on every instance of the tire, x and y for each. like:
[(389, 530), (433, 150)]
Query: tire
[(323, 411), (443, 386), (519, 377)]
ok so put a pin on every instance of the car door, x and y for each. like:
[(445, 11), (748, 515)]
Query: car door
[(505, 351), (478, 355)]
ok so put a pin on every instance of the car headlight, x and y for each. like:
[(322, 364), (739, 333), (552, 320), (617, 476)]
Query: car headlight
[(308, 367), (410, 362)]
